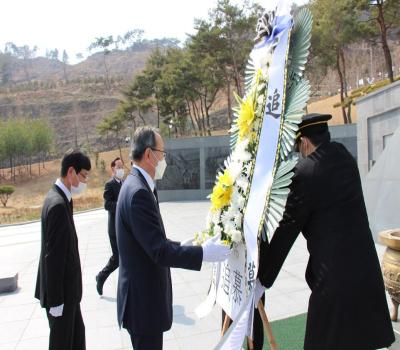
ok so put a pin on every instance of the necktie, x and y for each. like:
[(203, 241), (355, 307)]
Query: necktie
[(155, 194), (158, 208)]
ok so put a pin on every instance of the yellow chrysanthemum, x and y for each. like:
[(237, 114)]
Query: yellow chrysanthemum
[(225, 179), (221, 196), (253, 136), (246, 117), (259, 75)]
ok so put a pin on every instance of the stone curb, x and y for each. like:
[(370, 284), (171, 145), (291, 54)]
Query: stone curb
[(38, 220), (9, 284)]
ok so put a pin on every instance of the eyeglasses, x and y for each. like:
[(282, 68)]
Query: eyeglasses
[(158, 150), (85, 177)]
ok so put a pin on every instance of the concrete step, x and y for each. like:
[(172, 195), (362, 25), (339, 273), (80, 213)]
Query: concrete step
[(8, 283)]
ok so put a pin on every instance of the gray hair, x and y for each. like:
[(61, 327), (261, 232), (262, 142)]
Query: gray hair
[(144, 137)]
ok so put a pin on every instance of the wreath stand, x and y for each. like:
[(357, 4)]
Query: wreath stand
[(266, 324)]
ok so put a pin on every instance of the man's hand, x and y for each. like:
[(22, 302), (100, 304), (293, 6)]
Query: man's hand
[(56, 311), (214, 250)]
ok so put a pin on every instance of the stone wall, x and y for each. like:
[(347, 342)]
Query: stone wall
[(346, 134), (378, 118), (194, 162)]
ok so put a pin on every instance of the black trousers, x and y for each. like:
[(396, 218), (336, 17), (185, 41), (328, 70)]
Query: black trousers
[(67, 332), (113, 262), (258, 328), (146, 342)]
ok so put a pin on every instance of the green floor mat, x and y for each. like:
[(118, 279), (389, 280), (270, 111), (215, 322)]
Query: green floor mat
[(289, 333)]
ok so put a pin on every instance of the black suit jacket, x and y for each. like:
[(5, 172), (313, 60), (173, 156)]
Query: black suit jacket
[(111, 193), (347, 308), (59, 279), (144, 297)]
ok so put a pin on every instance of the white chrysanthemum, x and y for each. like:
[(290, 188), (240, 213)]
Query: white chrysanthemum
[(262, 58), (236, 236), (227, 163), (235, 155), (235, 200), (216, 217), (245, 156), (217, 230), (238, 220), (247, 169), (233, 214), (241, 146), (226, 217), (209, 219), (229, 227), (257, 124), (241, 153), (235, 169), (234, 209), (240, 201), (243, 183)]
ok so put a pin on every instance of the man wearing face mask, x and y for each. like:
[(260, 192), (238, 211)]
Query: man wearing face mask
[(111, 193), (144, 297), (347, 307), (59, 279)]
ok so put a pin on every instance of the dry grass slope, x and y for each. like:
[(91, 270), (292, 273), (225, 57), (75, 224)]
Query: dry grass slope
[(26, 202)]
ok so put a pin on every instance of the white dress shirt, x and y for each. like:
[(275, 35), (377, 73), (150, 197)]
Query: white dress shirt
[(66, 191), (148, 178), (118, 180)]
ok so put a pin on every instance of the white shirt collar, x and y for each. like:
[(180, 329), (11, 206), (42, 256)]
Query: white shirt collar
[(63, 188), (146, 176)]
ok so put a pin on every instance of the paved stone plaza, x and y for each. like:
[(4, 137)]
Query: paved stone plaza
[(23, 324)]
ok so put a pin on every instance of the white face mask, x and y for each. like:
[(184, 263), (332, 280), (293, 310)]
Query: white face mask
[(160, 168), (119, 173), (80, 189)]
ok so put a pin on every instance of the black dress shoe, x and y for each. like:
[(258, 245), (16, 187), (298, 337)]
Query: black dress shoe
[(99, 284)]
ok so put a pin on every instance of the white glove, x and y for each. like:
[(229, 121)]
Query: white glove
[(187, 242), (56, 311), (214, 250)]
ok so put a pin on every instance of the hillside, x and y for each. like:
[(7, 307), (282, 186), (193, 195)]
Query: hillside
[(72, 114), (122, 64), (73, 106), (74, 98), (25, 203), (325, 105)]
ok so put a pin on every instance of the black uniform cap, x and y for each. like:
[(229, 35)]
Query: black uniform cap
[(312, 124)]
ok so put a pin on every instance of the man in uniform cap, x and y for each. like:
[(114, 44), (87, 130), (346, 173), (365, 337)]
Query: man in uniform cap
[(347, 307)]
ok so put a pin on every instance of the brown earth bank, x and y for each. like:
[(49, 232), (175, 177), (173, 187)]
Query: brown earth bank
[(26, 202), (76, 99)]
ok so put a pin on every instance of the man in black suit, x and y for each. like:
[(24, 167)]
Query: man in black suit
[(111, 193), (144, 297), (59, 279), (347, 308)]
